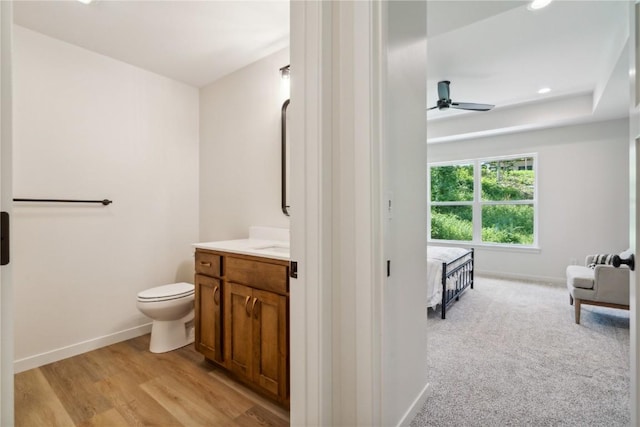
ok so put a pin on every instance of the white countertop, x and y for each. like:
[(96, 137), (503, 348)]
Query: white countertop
[(265, 242), (276, 249)]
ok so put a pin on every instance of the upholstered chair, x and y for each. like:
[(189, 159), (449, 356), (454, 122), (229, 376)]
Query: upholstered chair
[(598, 282)]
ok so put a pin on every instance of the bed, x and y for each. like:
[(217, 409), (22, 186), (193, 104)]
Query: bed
[(449, 274)]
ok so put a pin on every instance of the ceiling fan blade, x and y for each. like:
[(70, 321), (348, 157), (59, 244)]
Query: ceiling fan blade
[(432, 108), (443, 89), (471, 106)]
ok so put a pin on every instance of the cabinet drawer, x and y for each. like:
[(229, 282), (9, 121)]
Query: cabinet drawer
[(208, 264), (260, 275)]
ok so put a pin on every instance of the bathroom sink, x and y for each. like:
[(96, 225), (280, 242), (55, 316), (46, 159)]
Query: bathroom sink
[(274, 248)]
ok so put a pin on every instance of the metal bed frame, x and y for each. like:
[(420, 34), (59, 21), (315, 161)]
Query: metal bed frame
[(462, 273)]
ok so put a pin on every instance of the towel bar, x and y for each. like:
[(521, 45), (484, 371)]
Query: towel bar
[(105, 202)]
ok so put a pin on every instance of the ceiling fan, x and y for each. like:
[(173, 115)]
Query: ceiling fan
[(445, 102)]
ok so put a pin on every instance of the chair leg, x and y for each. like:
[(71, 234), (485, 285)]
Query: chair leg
[(577, 306), (570, 299)]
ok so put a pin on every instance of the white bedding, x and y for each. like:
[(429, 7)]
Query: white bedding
[(436, 255)]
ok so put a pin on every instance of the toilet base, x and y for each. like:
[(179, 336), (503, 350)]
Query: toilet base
[(167, 335)]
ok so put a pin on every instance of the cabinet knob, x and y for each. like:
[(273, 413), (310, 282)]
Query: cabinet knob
[(246, 306), (205, 264)]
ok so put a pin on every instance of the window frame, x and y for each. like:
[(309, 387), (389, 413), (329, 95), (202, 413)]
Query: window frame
[(477, 203)]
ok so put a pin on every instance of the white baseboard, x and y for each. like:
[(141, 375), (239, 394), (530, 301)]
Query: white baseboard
[(79, 348), (524, 277), (415, 408)]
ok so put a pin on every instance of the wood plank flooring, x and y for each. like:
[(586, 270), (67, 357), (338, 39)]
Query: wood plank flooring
[(126, 385)]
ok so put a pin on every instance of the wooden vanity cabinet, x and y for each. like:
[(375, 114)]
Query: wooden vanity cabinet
[(252, 318), (208, 306), (208, 315), (256, 341)]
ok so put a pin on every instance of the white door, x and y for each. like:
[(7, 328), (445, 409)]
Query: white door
[(6, 290), (634, 155)]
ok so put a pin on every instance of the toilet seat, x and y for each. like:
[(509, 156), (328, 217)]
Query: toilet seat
[(166, 292)]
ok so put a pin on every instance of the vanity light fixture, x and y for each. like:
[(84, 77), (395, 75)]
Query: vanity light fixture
[(538, 4), (285, 72), (544, 90)]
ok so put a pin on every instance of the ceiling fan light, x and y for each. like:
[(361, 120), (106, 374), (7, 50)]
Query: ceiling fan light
[(539, 4)]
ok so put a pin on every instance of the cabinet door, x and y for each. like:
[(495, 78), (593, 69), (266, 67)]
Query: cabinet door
[(238, 305), (270, 344), (208, 313)]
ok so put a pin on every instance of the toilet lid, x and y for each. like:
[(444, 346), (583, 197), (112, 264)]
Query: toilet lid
[(165, 292)]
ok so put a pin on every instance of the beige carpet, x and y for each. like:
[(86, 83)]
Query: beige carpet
[(510, 354)]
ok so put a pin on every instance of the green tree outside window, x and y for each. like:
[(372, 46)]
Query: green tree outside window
[(506, 206)]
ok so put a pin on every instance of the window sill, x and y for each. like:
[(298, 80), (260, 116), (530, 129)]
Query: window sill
[(486, 246)]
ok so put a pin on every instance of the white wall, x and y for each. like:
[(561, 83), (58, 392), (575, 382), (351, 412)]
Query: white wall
[(404, 325), (583, 185), (240, 150), (90, 127)]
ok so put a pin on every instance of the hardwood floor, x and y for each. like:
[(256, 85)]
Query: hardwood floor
[(126, 385)]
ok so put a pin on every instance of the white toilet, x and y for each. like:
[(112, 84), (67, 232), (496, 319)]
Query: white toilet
[(171, 309)]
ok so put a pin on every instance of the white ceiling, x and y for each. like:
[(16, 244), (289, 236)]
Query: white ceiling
[(495, 52), (195, 42), (501, 53)]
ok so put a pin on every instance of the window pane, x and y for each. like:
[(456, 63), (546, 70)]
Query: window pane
[(451, 222), (511, 179), (452, 183), (508, 224)]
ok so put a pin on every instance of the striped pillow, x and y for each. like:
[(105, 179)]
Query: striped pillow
[(601, 259)]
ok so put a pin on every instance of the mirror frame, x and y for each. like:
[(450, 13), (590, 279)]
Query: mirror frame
[(283, 149)]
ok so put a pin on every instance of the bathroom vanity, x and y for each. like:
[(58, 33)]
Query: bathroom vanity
[(242, 311)]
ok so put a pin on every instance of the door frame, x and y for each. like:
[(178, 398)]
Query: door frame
[(334, 334), (6, 200), (634, 204), (309, 310)]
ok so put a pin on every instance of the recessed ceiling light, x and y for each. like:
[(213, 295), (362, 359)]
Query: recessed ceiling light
[(544, 90), (539, 4), (85, 1)]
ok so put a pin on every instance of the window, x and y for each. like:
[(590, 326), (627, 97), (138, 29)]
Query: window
[(490, 201)]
